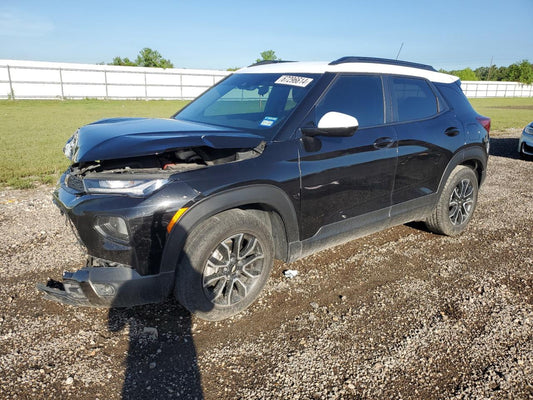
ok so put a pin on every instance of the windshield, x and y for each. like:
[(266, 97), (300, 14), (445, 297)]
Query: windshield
[(257, 103)]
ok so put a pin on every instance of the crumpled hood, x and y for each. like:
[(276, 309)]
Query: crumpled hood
[(114, 138)]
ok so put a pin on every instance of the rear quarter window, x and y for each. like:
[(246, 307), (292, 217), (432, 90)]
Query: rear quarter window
[(455, 97)]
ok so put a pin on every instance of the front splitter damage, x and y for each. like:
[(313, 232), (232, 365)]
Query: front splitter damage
[(108, 287), (67, 292)]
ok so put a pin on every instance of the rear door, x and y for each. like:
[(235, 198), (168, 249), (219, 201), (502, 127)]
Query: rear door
[(343, 178), (428, 136)]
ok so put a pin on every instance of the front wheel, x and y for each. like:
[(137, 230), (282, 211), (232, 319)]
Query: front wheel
[(225, 263), (456, 203)]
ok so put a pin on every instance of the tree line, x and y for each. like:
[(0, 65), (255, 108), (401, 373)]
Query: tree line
[(518, 72), (152, 58)]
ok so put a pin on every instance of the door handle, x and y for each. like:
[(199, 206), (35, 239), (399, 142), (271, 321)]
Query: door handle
[(383, 142), (451, 131)]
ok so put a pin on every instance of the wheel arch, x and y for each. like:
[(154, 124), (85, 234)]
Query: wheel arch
[(472, 157), (268, 202)]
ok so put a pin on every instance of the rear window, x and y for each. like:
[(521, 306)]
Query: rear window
[(412, 99)]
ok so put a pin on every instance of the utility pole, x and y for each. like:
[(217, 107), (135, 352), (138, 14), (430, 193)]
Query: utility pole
[(490, 68)]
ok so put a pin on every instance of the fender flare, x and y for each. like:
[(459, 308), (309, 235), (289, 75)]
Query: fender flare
[(472, 153), (269, 196)]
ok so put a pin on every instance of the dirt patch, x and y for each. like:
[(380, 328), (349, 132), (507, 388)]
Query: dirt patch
[(400, 314)]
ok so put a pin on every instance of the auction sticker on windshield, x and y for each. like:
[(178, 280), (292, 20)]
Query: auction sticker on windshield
[(300, 81), (268, 121)]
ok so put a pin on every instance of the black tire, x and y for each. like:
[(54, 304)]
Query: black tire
[(524, 156), (456, 203), (225, 264)]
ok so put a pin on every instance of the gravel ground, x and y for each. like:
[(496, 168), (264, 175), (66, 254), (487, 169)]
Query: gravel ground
[(400, 314)]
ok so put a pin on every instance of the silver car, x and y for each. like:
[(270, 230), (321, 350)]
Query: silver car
[(525, 145)]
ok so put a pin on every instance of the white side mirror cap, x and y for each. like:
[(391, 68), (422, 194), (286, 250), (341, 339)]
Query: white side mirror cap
[(336, 120)]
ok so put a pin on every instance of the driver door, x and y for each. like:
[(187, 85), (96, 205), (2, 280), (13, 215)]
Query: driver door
[(348, 179)]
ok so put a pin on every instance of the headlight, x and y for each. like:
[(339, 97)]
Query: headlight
[(529, 130), (134, 187), (71, 147)]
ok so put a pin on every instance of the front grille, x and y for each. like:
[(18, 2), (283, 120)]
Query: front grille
[(74, 182)]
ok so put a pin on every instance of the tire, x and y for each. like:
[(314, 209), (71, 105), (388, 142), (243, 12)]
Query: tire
[(524, 156), (456, 203), (225, 264)]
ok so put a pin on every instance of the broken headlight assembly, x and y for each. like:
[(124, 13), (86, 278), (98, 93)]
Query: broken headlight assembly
[(71, 147), (133, 187)]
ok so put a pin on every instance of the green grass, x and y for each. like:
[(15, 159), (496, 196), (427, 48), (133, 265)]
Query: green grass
[(505, 113), (32, 133)]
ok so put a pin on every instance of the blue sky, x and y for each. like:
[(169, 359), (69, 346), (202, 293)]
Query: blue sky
[(449, 34)]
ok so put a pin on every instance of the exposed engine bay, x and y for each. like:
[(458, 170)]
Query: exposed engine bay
[(176, 161)]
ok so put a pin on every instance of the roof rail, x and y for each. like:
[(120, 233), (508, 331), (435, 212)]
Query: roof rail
[(264, 62), (353, 59)]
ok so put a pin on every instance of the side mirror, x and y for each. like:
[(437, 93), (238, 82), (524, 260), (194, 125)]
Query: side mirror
[(334, 124)]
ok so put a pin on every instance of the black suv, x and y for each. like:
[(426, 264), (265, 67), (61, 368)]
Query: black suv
[(277, 161)]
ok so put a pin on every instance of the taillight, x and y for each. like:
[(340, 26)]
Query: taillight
[(485, 121)]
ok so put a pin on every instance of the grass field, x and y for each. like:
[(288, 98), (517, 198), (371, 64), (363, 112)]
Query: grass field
[(32, 133), (506, 113)]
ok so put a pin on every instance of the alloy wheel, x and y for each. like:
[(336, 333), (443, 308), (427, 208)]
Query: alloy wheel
[(232, 269), (461, 202)]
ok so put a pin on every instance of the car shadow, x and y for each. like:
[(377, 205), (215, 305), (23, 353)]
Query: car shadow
[(419, 226), (504, 147), (161, 360)]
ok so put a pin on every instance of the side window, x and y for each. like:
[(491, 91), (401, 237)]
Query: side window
[(359, 96), (412, 99)]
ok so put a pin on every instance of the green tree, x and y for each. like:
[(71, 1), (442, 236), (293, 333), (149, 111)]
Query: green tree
[(513, 73), (146, 58), (518, 72), (465, 74), (492, 71), (482, 73), (525, 72), (125, 62), (268, 55), (152, 58), (500, 74), (468, 75)]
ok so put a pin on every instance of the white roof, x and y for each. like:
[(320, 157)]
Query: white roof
[(357, 67)]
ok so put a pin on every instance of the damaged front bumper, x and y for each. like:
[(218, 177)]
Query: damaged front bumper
[(120, 271), (108, 287)]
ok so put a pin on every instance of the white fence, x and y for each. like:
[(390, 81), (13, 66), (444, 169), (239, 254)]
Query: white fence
[(44, 80), (496, 89)]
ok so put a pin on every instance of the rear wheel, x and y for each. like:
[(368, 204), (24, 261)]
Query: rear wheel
[(456, 203), (225, 264)]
